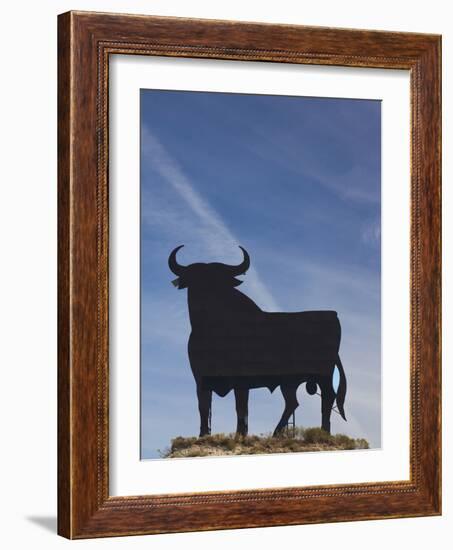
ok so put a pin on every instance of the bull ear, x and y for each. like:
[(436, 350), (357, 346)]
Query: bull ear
[(236, 282)]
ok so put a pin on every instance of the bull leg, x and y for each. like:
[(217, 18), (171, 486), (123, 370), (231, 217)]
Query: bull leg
[(204, 407), (290, 395), (327, 401), (242, 410)]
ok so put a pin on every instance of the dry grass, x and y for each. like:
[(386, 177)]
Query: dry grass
[(304, 440)]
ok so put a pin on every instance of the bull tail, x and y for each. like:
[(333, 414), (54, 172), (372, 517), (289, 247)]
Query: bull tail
[(341, 393)]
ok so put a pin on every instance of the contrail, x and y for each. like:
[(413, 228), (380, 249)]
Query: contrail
[(216, 235)]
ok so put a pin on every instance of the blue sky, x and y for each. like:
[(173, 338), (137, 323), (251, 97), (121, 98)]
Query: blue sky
[(294, 180)]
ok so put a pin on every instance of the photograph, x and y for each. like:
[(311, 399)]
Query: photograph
[(260, 274), (226, 258)]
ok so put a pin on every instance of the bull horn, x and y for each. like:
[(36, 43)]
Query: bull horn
[(173, 264), (236, 270)]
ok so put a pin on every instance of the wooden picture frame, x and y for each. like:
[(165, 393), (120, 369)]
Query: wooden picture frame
[(85, 42)]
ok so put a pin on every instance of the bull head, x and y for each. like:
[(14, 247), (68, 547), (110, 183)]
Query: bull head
[(212, 275)]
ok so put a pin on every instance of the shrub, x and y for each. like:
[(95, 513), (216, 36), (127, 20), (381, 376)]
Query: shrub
[(299, 432), (362, 444), (165, 453), (182, 443), (344, 441), (317, 435)]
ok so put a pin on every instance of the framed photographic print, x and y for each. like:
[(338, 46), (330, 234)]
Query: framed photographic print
[(249, 275)]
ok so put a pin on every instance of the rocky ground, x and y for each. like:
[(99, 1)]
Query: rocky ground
[(299, 440)]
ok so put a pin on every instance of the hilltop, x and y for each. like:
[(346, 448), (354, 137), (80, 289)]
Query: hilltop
[(303, 440)]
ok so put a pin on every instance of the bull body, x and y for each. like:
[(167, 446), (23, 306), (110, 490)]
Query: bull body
[(234, 345)]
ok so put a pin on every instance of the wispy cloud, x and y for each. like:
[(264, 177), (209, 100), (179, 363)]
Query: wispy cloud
[(217, 237), (357, 181), (371, 233)]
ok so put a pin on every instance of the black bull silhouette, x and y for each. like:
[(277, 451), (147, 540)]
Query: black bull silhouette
[(234, 345)]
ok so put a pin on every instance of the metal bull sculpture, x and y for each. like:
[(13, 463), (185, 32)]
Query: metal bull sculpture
[(234, 345)]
